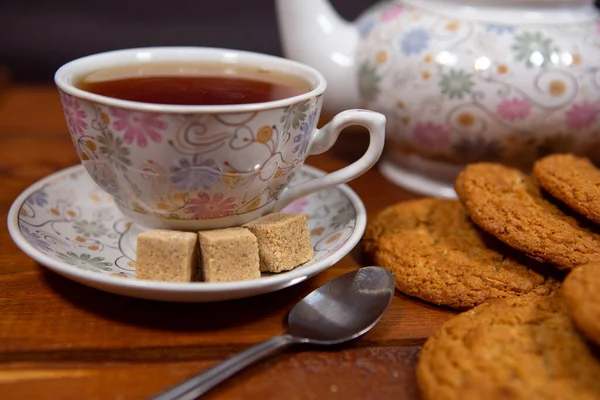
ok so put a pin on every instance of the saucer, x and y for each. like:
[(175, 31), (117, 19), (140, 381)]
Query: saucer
[(69, 225), (424, 177)]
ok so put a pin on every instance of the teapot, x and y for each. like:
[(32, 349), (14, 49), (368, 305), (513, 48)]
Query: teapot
[(460, 81)]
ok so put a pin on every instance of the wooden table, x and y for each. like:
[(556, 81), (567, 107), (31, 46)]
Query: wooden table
[(62, 340)]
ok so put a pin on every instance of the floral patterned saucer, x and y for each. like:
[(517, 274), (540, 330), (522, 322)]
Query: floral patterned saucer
[(68, 224)]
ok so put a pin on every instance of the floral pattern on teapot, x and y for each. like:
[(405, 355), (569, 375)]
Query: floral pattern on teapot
[(206, 171), (465, 91)]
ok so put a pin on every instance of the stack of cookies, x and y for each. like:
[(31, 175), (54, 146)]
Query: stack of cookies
[(510, 235), (504, 248)]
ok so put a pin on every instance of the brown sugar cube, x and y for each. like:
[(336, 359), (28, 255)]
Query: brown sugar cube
[(168, 256), (283, 241), (228, 255)]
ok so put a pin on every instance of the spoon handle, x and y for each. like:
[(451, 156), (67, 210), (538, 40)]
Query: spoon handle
[(204, 381)]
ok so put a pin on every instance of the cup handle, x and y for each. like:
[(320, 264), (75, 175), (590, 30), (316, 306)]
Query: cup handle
[(324, 138)]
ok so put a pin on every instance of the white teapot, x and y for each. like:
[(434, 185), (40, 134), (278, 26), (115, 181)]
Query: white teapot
[(459, 81)]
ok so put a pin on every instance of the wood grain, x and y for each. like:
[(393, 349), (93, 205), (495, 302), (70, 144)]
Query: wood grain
[(297, 376), (62, 340)]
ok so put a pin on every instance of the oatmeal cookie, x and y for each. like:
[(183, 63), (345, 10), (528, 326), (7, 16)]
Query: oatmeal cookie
[(437, 254), (519, 348), (510, 205)]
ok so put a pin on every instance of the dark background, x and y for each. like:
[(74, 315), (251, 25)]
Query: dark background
[(37, 36)]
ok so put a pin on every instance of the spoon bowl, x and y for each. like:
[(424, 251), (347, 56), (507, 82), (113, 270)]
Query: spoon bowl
[(339, 311), (344, 308)]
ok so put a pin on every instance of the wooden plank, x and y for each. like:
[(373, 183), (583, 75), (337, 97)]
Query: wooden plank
[(358, 373), (47, 316)]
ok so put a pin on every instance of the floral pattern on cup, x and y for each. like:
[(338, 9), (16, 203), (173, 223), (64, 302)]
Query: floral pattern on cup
[(138, 127), (192, 173), (73, 221), (205, 207), (74, 115), (458, 90), (210, 159)]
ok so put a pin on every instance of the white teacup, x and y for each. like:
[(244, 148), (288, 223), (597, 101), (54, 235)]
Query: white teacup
[(205, 167)]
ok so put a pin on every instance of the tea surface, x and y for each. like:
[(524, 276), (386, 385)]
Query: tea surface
[(195, 84)]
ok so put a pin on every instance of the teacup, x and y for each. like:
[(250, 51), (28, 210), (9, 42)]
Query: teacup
[(205, 167)]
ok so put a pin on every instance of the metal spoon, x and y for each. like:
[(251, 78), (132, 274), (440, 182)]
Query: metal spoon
[(341, 310)]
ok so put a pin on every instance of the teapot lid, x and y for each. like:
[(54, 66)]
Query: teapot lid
[(510, 11)]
